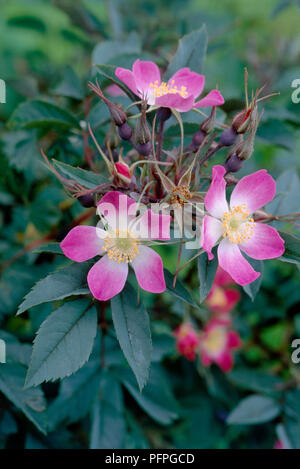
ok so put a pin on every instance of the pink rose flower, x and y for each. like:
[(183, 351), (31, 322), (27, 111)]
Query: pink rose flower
[(217, 344), (187, 340), (221, 299), (235, 226), (179, 93), (120, 245)]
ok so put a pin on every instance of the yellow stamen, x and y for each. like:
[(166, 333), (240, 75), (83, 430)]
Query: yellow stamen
[(165, 88), (178, 195), (237, 224), (121, 246)]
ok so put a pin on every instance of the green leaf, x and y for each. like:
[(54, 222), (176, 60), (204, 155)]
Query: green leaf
[(190, 53), (179, 291), (132, 327), (51, 248), (292, 248), (253, 410), (37, 113), (108, 423), (254, 380), (106, 51), (63, 343), (86, 178), (69, 85), (157, 399), (287, 191), (30, 401), (276, 132), (68, 281), (253, 288), (206, 271), (76, 395)]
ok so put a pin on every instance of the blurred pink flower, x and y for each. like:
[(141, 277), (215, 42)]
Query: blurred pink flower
[(187, 340), (217, 343), (179, 93), (120, 245), (221, 299), (278, 445), (236, 226)]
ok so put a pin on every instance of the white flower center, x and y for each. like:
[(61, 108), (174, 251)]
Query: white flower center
[(237, 224), (215, 340), (121, 246)]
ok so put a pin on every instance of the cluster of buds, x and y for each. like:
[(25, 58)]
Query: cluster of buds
[(216, 341), (119, 117)]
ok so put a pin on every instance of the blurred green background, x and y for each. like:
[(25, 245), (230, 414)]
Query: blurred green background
[(48, 49)]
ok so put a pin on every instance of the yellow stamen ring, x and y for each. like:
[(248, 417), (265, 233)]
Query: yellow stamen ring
[(121, 246), (165, 88), (237, 224)]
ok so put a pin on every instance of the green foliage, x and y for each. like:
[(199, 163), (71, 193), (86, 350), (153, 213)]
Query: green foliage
[(63, 343), (113, 378), (132, 327)]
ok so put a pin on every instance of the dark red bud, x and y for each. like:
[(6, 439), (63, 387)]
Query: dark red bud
[(198, 138), (86, 200), (233, 164), (144, 148), (163, 114), (228, 137), (118, 115), (125, 131)]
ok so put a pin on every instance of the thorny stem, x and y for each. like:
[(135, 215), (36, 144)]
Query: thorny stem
[(87, 149), (51, 236), (191, 259), (210, 154), (160, 140), (178, 263), (218, 124)]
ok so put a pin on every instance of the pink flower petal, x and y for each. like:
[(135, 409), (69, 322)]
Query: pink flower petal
[(222, 278), (211, 232), (153, 225), (213, 98), (118, 209), (233, 340), (231, 260), (127, 77), (265, 243), (83, 243), (107, 278), (255, 190), (145, 72), (192, 81), (225, 361), (175, 101), (215, 199), (148, 268)]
